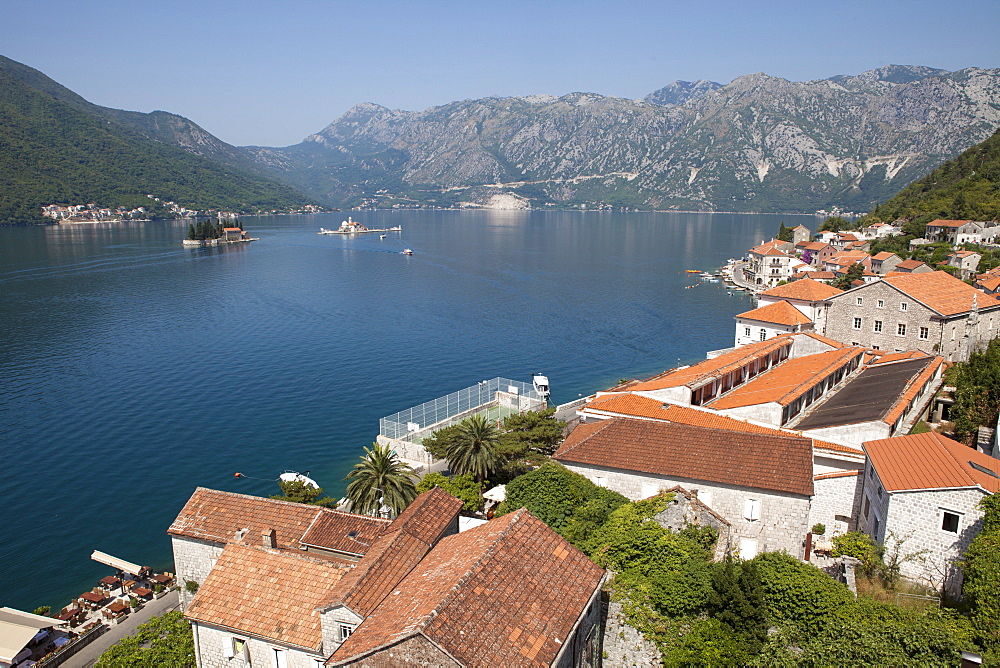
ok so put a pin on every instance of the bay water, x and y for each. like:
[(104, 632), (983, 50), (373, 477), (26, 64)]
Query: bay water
[(133, 369)]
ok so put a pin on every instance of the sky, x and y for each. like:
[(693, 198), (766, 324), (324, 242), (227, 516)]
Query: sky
[(271, 72)]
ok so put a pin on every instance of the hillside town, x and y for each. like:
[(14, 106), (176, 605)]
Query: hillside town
[(827, 417)]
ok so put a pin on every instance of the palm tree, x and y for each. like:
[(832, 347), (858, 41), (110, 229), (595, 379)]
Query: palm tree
[(475, 450), (380, 478)]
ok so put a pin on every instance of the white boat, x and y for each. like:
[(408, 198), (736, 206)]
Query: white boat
[(381, 236), (406, 251), (541, 385), (295, 476)]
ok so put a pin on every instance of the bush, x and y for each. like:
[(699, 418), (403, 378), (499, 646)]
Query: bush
[(860, 546), (570, 504), (798, 593), (981, 566), (162, 641), (460, 486), (819, 529)]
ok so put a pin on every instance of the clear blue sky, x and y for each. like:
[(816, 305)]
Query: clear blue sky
[(270, 72)]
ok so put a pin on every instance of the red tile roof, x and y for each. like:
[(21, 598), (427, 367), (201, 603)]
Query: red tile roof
[(785, 383), (214, 515), (836, 474), (330, 531), (697, 374), (506, 593), (941, 292), (948, 223), (778, 313), (633, 405), (884, 255), (991, 283), (273, 594), (907, 266), (763, 461), (394, 553), (806, 289), (930, 461)]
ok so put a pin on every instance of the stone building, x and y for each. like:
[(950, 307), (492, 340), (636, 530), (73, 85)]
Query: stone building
[(932, 312), (920, 497), (296, 586), (884, 262), (761, 484), (769, 321)]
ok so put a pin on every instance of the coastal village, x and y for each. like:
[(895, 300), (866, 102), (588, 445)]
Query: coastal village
[(798, 434)]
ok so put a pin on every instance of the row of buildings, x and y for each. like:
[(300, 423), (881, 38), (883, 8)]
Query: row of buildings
[(796, 434)]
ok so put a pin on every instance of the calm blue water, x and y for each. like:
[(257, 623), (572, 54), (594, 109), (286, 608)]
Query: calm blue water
[(133, 370)]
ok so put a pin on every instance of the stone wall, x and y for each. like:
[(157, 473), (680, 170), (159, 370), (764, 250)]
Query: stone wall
[(212, 644), (915, 519), (414, 651), (835, 504), (193, 560), (784, 518), (624, 645)]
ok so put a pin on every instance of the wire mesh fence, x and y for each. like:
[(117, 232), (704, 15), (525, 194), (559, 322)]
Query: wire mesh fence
[(502, 394)]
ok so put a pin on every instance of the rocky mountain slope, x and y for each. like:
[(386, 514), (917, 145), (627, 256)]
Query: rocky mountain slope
[(759, 143)]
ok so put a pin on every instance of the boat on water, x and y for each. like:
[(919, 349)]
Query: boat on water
[(406, 251), (295, 476), (381, 236), (692, 271), (351, 226)]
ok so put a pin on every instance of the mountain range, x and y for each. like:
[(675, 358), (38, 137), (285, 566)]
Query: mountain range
[(758, 143)]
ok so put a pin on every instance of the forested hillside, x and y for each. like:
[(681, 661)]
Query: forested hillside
[(965, 188), (55, 147)]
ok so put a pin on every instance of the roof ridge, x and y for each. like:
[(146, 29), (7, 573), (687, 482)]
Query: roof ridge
[(965, 474)]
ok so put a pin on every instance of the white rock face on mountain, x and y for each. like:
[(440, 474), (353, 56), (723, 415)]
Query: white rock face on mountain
[(757, 143)]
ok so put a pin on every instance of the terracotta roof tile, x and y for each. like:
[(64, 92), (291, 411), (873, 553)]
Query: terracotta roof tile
[(884, 255), (216, 516), (506, 593), (778, 313), (991, 283), (268, 593), (908, 266), (330, 530), (940, 291), (948, 223), (763, 461), (805, 289), (633, 405), (697, 374), (785, 383), (836, 474), (396, 551), (930, 461)]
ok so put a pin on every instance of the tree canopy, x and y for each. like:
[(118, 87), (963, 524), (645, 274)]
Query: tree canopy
[(380, 477), (166, 640)]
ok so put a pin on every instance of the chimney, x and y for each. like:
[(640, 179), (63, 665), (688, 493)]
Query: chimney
[(268, 538), (241, 534)]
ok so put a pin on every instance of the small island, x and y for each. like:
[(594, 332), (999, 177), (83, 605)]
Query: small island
[(205, 233)]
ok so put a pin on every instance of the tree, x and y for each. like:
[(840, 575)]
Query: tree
[(380, 477), (300, 492), (166, 640), (981, 567), (977, 391), (854, 273), (460, 486), (475, 450), (785, 233), (438, 443), (834, 224), (528, 439)]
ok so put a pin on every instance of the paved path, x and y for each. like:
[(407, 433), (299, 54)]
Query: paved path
[(88, 656)]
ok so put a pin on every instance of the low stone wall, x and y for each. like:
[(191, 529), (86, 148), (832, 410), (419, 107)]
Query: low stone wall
[(625, 645)]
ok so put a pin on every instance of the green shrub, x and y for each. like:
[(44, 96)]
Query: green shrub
[(819, 529), (860, 546), (463, 487), (798, 593)]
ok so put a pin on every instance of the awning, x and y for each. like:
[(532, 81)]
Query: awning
[(498, 494), (115, 562), (17, 629)]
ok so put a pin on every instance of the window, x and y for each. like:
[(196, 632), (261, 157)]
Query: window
[(857, 323), (881, 303), (345, 631), (902, 306), (763, 335), (235, 647), (950, 522), (280, 660), (878, 326), (924, 332), (748, 548), (858, 302), (901, 329), (705, 496), (868, 506), (746, 332), (751, 509)]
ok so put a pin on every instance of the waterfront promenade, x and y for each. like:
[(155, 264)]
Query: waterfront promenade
[(88, 656)]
